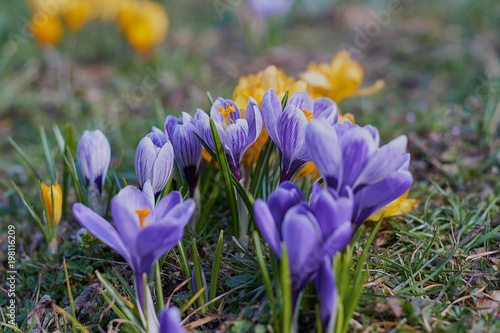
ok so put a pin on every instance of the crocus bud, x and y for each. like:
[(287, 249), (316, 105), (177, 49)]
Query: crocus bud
[(46, 195), (94, 155), (154, 161), (187, 147)]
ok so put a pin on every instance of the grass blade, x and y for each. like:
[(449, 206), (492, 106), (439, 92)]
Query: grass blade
[(216, 267), (48, 156), (24, 158), (286, 291)]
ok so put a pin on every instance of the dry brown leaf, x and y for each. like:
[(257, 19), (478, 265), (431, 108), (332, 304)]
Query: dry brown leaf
[(36, 315), (491, 301)]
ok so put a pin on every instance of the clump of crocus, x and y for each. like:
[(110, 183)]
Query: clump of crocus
[(311, 232), (144, 23), (256, 85), (349, 158), (237, 133), (94, 155), (143, 232), (51, 197), (287, 128), (187, 147), (154, 161)]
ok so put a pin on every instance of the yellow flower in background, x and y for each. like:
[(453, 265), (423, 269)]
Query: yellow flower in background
[(77, 13), (256, 85), (397, 207), (144, 23), (339, 79), (106, 10), (47, 32), (48, 7), (46, 195)]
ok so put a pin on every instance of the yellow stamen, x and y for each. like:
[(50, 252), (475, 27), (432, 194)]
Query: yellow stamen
[(309, 115), (226, 110), (142, 215)]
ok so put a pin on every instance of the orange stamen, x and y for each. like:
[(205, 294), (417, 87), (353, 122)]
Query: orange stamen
[(226, 110), (309, 115), (142, 215)]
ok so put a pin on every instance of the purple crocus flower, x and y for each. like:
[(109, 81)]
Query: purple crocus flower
[(350, 158), (287, 128), (154, 161), (311, 232), (187, 147), (170, 321), (268, 8), (143, 233), (236, 133), (94, 154)]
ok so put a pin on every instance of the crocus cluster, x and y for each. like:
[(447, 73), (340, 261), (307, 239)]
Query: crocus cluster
[(311, 232)]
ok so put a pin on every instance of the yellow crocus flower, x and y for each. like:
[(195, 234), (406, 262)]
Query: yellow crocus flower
[(144, 24), (77, 13), (47, 32), (397, 207), (46, 195), (339, 79)]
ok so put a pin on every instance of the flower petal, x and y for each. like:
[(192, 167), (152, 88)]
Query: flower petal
[(123, 210), (162, 168), (187, 147), (234, 140), (101, 229), (94, 155), (253, 117), (383, 162), (267, 226), (179, 215), (326, 288), (373, 197), (301, 100), (302, 238), (166, 204), (330, 210), (324, 151), (271, 112), (170, 321), (336, 241), (358, 147), (291, 129), (326, 108)]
